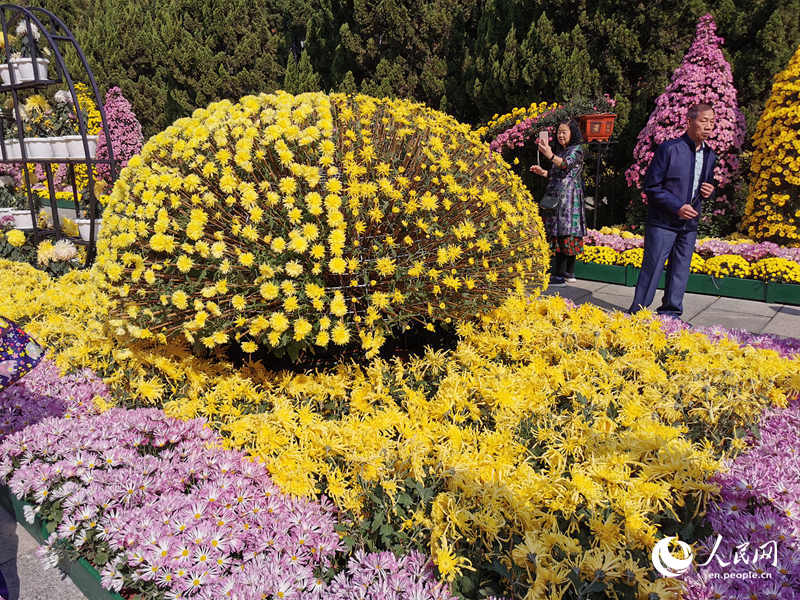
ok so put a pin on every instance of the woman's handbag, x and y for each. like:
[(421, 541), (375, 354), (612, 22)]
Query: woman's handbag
[(550, 200)]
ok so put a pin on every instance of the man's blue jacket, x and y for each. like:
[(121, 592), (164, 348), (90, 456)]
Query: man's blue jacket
[(668, 183)]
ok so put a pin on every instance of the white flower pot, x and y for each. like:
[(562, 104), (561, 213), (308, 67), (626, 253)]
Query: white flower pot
[(38, 148), (23, 70), (75, 146), (83, 228), (12, 149), (59, 147), (22, 219)]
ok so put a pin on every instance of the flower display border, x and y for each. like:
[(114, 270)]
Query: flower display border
[(81, 572), (60, 203), (784, 293), (597, 272), (727, 287)]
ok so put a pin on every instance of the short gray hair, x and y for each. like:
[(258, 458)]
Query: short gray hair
[(696, 109)]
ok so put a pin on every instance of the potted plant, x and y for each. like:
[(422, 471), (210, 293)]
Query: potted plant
[(11, 139), (26, 57), (36, 115), (23, 219), (597, 118), (9, 199), (11, 205), (64, 124), (84, 224), (38, 125), (70, 144), (578, 108)]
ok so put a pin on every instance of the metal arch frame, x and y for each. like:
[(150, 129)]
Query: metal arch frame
[(60, 33)]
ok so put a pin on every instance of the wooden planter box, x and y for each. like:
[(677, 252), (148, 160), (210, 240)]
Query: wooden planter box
[(597, 127), (784, 293), (83, 574), (605, 273)]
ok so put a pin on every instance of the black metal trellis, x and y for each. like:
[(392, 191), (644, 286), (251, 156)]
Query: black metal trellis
[(57, 33), (599, 149)]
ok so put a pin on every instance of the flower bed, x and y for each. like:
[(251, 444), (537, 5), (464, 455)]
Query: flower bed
[(55, 258), (164, 512), (764, 261), (499, 123), (738, 269), (45, 393)]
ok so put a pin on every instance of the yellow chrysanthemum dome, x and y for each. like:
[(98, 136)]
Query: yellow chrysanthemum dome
[(293, 221)]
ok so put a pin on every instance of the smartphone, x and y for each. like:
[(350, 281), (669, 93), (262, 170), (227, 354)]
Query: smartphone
[(544, 137)]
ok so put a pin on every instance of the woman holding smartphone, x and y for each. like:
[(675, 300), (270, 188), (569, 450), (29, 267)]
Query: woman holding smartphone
[(565, 222)]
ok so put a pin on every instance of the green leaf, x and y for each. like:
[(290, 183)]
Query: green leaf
[(466, 583), (574, 577), (500, 568), (596, 586)]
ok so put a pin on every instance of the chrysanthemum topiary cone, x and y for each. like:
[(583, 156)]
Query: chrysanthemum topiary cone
[(772, 212), (703, 76), (292, 221)]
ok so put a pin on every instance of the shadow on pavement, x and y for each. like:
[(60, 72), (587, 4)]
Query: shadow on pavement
[(9, 545)]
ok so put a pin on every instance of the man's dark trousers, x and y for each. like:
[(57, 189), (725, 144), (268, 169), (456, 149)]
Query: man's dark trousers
[(659, 245)]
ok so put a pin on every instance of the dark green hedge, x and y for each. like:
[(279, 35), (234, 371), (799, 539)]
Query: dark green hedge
[(471, 58)]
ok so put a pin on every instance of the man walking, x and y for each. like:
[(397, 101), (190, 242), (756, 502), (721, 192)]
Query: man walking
[(680, 176)]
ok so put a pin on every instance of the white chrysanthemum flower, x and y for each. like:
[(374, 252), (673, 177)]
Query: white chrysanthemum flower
[(22, 29), (64, 250), (62, 97)]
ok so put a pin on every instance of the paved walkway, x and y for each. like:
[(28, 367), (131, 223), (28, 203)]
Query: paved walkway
[(698, 309), (22, 569), (28, 581)]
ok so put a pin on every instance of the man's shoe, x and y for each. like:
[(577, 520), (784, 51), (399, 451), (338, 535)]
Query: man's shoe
[(570, 277), (557, 280)]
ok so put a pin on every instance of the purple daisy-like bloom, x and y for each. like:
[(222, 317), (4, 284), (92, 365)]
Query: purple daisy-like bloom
[(175, 510), (755, 549), (44, 392)]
